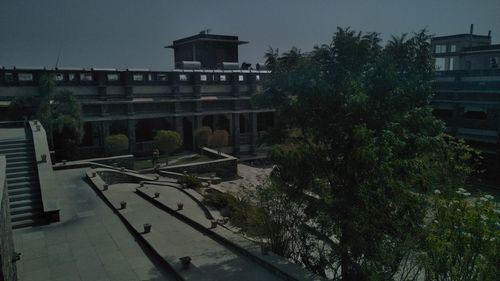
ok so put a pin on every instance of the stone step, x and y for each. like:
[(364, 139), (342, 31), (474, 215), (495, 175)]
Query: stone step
[(29, 188), (25, 203), (13, 145), (20, 168), (33, 214), (27, 209), (18, 154), (25, 173), (24, 223), (19, 179), (19, 161), (14, 141), (7, 151), (34, 194), (24, 184)]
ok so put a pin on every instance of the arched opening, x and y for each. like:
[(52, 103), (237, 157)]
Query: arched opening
[(243, 124), (265, 121), (222, 123), (87, 139), (208, 121), (145, 130), (118, 127)]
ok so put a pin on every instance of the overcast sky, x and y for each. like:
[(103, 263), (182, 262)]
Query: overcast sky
[(132, 33)]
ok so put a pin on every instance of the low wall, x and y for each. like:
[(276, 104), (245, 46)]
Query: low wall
[(126, 161), (8, 270), (224, 166)]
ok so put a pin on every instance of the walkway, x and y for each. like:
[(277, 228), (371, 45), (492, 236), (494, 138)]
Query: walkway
[(90, 243)]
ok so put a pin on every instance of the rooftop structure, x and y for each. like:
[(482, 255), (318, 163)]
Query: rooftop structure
[(209, 49)]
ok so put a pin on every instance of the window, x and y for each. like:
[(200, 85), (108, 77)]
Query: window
[(85, 76), (71, 77), (59, 77), (452, 64), (138, 77), (183, 77), (222, 78), (453, 48), (241, 78), (257, 77), (203, 77), (113, 77), (162, 77), (150, 77), (440, 49), (440, 64), (9, 77), (25, 76), (478, 115)]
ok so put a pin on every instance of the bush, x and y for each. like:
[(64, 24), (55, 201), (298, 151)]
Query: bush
[(220, 138), (116, 144), (168, 141), (202, 136), (190, 182)]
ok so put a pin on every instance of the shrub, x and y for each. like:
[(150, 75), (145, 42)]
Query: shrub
[(116, 144), (168, 141), (202, 136), (190, 182), (219, 139)]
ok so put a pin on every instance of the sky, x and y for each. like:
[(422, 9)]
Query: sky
[(132, 33)]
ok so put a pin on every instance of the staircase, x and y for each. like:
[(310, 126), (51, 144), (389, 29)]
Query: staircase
[(26, 207)]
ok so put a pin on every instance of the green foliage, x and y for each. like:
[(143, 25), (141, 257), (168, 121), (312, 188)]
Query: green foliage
[(463, 240), (240, 211), (21, 107), (219, 139), (116, 144), (202, 136), (357, 142), (168, 141), (191, 182)]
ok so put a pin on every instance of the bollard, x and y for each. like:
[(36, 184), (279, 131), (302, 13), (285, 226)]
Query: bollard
[(180, 206), (185, 261), (94, 174), (38, 128), (147, 228), (123, 205), (213, 224)]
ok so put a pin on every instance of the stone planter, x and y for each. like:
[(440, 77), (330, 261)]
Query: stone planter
[(157, 194), (94, 174), (147, 228), (44, 158), (123, 205), (180, 206), (105, 186), (141, 184)]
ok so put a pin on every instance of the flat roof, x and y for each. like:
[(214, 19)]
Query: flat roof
[(203, 37), (464, 35)]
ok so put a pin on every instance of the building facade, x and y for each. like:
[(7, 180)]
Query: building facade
[(138, 102), (467, 88)]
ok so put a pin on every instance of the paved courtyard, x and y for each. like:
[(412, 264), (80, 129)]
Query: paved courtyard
[(90, 243)]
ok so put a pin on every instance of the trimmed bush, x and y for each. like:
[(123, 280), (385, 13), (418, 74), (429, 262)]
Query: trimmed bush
[(116, 144)]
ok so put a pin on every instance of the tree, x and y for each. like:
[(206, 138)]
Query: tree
[(219, 139), (462, 243), (202, 136), (116, 144), (168, 141), (361, 121), (22, 107)]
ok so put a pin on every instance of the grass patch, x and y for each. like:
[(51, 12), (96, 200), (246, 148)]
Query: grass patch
[(141, 164)]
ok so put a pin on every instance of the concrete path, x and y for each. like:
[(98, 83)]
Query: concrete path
[(89, 244), (173, 238)]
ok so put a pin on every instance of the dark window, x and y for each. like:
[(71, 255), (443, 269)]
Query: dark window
[(442, 113), (9, 77), (480, 115)]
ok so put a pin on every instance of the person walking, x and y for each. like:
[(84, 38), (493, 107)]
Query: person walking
[(156, 158)]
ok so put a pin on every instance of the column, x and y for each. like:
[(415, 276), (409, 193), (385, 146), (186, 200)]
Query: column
[(178, 124), (131, 134), (104, 131), (253, 132), (236, 133)]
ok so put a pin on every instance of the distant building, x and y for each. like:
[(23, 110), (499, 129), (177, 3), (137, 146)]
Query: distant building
[(206, 89), (467, 88)]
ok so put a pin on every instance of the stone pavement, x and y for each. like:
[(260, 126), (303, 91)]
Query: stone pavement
[(90, 243), (173, 238), (250, 178)]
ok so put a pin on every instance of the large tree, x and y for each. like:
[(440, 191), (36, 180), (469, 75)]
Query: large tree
[(357, 124)]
